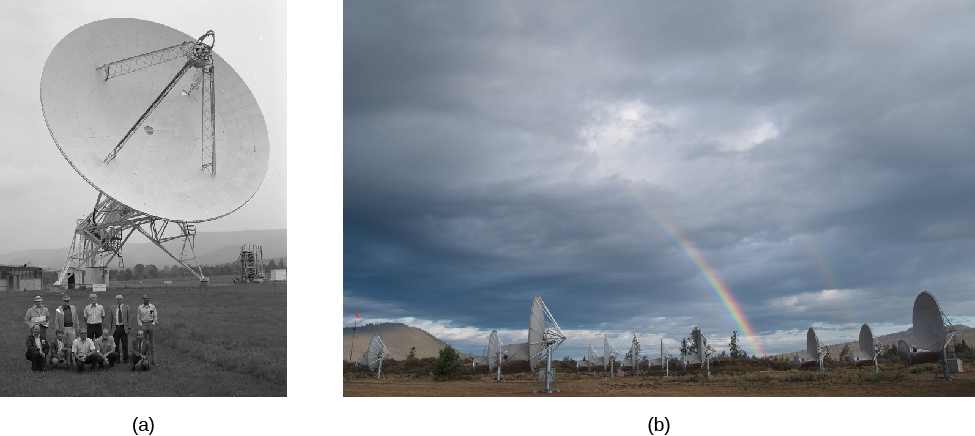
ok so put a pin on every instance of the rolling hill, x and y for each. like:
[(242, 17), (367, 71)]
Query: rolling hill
[(212, 248), (397, 337)]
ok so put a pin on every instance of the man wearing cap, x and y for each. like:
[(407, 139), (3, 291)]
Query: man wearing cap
[(66, 319), (38, 315), (147, 320), (94, 315), (120, 324), (37, 349)]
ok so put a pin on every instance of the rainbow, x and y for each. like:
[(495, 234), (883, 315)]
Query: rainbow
[(692, 254)]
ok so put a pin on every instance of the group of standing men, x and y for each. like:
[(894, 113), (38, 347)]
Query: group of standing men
[(104, 340)]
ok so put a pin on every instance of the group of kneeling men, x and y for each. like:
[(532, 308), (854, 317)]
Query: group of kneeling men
[(103, 349)]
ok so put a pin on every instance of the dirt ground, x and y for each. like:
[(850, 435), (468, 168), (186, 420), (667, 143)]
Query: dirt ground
[(920, 385)]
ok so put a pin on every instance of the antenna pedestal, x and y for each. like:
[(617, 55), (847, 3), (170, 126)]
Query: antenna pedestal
[(549, 375), (98, 239)]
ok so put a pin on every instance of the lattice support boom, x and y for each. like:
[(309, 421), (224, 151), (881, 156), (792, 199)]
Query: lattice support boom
[(209, 121)]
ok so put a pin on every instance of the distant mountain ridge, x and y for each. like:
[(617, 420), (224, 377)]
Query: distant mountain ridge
[(397, 337), (212, 248)]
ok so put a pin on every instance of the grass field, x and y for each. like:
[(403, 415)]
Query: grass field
[(222, 340)]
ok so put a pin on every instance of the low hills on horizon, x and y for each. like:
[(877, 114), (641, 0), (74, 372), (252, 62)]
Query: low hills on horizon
[(212, 248), (399, 337)]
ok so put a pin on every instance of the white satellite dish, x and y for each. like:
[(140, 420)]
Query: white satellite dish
[(869, 349), (596, 362), (489, 362), (633, 362), (609, 355), (664, 361), (703, 357), (155, 156), (932, 332), (494, 355), (544, 336), (375, 355), (814, 354)]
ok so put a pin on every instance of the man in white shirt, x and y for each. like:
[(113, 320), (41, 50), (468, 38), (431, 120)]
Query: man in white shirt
[(147, 318), (84, 351), (94, 314)]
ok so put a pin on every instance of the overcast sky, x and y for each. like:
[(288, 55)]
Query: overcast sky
[(42, 195), (648, 167)]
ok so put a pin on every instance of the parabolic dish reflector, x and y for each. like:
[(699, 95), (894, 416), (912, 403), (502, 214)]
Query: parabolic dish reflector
[(536, 332), (866, 340), (812, 342), (929, 326), (159, 171), (494, 344), (376, 352)]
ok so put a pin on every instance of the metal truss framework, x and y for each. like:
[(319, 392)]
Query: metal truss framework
[(708, 352), (251, 264), (611, 356), (99, 237), (668, 356), (198, 55), (821, 352), (949, 333)]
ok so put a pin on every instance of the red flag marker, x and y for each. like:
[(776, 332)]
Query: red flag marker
[(357, 314)]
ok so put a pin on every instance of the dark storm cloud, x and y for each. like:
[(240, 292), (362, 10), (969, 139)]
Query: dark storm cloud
[(493, 151)]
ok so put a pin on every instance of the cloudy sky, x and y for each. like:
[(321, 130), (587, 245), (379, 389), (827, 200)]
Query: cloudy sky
[(648, 167), (41, 193)]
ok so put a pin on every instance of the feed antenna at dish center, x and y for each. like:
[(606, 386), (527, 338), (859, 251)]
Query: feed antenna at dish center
[(160, 160)]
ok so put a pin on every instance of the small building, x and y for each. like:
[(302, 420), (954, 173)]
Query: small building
[(21, 278), (279, 275)]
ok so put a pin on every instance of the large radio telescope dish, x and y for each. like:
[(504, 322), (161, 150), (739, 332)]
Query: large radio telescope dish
[(161, 169), (161, 126)]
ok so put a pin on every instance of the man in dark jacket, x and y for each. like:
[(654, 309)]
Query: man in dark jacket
[(37, 349)]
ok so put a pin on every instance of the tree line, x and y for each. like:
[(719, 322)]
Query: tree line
[(150, 272)]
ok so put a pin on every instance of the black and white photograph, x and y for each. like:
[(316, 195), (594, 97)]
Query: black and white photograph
[(143, 178)]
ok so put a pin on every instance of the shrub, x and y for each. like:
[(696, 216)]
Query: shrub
[(446, 366)]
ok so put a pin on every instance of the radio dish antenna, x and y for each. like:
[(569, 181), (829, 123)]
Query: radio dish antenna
[(633, 362), (814, 354), (664, 361), (156, 158), (596, 362), (703, 357), (870, 347), (494, 355), (932, 332), (375, 354), (544, 336), (609, 354)]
